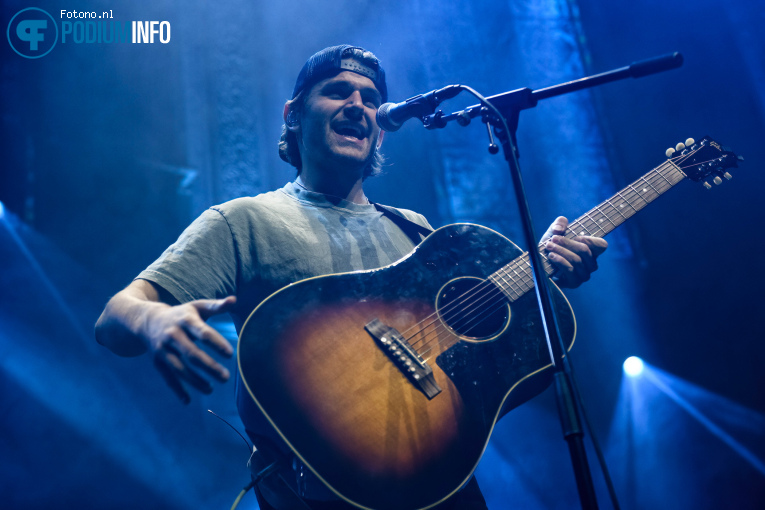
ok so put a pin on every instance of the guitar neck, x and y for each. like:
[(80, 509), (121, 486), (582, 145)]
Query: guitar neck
[(604, 218), (515, 279)]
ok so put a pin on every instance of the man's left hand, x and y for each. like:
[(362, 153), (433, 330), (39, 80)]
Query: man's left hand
[(573, 259)]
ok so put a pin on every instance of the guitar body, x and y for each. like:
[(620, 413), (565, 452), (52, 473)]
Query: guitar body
[(342, 405)]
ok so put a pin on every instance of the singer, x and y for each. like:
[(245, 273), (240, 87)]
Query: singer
[(238, 253)]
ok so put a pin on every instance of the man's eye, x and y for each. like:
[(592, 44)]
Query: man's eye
[(338, 92), (372, 102)]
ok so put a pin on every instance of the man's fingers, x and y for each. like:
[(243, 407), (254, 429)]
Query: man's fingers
[(573, 260), (209, 307), (184, 347), (171, 379), (181, 370), (558, 228), (201, 359), (200, 331), (173, 334), (571, 253), (560, 262), (597, 245), (569, 267), (567, 274), (215, 340), (576, 250)]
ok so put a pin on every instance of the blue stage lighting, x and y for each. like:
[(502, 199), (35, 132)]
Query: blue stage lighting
[(633, 366)]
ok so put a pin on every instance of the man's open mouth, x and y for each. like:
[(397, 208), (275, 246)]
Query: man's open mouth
[(351, 131)]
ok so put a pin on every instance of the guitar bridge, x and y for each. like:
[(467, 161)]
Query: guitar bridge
[(403, 355)]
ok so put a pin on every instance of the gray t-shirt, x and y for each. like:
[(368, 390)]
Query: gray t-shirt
[(253, 246)]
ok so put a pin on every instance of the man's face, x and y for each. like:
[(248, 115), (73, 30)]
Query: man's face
[(338, 124)]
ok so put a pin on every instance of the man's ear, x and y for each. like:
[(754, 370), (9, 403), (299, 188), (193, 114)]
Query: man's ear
[(291, 118), (380, 138)]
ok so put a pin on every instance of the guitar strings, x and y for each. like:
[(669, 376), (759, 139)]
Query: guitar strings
[(456, 304), (476, 298), (503, 299), (525, 279), (573, 233), (481, 299)]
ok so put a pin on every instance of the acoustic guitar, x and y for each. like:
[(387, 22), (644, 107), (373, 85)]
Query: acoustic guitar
[(387, 383)]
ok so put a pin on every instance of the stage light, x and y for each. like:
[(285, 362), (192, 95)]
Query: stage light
[(633, 366)]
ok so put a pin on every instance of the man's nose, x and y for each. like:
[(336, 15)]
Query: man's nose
[(354, 106)]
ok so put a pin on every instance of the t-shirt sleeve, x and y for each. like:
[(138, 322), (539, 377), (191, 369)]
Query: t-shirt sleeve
[(201, 264)]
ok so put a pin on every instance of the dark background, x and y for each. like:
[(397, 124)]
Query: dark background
[(110, 150)]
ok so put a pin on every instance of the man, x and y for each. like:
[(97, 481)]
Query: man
[(236, 254)]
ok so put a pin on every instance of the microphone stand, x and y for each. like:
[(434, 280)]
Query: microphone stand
[(508, 105)]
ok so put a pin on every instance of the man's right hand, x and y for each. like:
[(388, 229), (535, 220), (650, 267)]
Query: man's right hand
[(172, 335), (135, 321)]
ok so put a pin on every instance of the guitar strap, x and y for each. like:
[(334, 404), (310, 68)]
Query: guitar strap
[(414, 231)]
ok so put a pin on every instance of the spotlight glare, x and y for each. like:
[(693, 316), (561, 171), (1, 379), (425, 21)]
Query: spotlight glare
[(633, 366)]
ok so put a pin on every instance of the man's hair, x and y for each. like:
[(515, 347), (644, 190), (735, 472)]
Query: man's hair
[(288, 143)]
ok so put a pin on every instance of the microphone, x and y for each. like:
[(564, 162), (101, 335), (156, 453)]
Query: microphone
[(391, 116)]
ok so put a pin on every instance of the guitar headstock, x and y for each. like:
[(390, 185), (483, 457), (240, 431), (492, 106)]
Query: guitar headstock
[(706, 158)]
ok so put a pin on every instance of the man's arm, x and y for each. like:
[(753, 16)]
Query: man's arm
[(143, 317)]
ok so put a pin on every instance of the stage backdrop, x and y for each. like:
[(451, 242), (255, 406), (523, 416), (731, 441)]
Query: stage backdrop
[(110, 148)]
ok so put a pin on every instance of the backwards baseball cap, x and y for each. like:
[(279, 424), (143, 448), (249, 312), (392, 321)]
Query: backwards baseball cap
[(336, 59)]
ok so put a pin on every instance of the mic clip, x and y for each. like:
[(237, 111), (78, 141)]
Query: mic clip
[(434, 121)]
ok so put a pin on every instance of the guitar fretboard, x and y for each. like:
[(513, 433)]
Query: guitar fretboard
[(515, 279)]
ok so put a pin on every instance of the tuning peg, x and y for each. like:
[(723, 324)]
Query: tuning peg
[(689, 142), (707, 185), (669, 152), (727, 175), (717, 180), (680, 146)]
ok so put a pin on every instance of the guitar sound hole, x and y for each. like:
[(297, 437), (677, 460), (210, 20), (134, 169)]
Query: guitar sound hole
[(473, 308)]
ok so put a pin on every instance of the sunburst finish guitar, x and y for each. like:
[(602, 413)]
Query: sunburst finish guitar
[(387, 383)]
